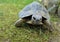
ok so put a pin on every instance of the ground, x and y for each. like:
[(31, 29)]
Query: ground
[(9, 33)]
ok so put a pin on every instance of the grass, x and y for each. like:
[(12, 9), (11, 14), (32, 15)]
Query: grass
[(9, 33)]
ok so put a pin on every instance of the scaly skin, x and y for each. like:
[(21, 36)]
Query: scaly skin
[(48, 25), (19, 22)]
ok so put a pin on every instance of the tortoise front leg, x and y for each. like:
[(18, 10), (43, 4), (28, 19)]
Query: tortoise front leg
[(19, 22), (48, 25), (30, 22)]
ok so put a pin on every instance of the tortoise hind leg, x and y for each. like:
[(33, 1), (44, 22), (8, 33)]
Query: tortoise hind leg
[(19, 22)]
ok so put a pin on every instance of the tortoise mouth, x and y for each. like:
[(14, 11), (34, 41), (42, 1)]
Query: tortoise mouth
[(37, 22)]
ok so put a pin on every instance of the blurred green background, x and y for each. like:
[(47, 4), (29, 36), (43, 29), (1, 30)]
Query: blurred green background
[(9, 33)]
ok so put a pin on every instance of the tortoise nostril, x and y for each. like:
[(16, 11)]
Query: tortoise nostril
[(37, 20)]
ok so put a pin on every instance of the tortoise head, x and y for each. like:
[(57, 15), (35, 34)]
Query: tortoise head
[(37, 18)]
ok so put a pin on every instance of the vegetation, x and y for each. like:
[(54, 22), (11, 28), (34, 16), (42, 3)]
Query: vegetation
[(9, 33)]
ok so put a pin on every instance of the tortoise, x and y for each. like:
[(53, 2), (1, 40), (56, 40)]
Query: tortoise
[(35, 14)]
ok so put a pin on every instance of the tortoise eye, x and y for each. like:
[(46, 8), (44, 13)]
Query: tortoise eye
[(34, 18), (40, 18)]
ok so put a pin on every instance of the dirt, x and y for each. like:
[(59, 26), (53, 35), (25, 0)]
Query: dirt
[(56, 38)]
